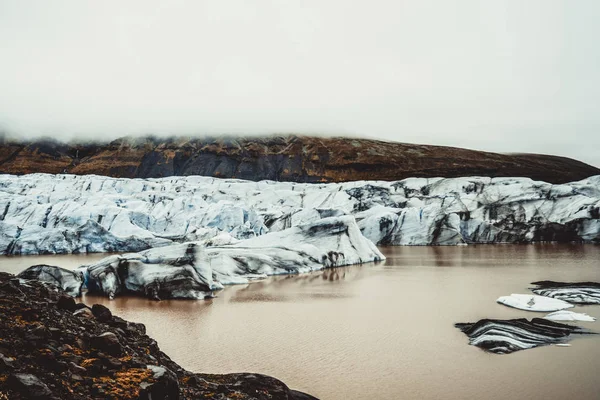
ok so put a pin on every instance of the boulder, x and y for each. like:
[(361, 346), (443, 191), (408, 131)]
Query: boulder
[(165, 385), (66, 303), (101, 313), (29, 386), (107, 342)]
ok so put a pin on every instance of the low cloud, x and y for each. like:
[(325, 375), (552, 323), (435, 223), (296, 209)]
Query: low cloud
[(499, 76)]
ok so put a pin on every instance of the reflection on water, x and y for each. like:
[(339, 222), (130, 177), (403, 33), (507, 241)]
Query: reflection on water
[(384, 331)]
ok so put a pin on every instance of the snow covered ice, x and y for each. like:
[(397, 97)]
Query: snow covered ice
[(569, 316), (530, 302), (48, 214)]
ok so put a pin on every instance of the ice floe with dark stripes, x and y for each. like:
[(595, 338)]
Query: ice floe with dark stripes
[(508, 336), (576, 292)]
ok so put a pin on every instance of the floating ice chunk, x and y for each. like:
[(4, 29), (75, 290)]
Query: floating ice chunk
[(507, 336), (576, 292), (530, 302), (569, 316)]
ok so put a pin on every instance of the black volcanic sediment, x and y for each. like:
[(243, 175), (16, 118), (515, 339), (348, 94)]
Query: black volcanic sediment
[(282, 158)]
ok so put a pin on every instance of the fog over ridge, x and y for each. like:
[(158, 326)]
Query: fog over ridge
[(504, 76)]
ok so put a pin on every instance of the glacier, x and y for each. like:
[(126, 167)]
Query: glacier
[(52, 214)]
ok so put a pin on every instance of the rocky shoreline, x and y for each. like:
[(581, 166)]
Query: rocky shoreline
[(54, 348)]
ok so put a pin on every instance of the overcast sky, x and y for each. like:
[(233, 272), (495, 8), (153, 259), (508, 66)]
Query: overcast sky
[(505, 76)]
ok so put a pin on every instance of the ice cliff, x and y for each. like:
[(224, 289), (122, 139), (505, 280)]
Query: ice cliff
[(47, 214)]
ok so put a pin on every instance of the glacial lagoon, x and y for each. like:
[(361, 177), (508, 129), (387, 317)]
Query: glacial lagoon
[(381, 330)]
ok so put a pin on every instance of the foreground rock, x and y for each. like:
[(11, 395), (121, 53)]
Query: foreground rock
[(191, 271), (535, 303), (576, 292), (50, 352), (47, 214), (508, 336)]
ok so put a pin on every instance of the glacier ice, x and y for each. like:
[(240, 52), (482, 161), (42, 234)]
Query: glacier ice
[(569, 316), (507, 336), (193, 271), (47, 214), (69, 281), (573, 292)]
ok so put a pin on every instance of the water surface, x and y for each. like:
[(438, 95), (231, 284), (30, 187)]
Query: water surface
[(383, 331)]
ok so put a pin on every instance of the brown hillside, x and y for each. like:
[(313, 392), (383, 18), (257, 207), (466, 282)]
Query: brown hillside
[(284, 158)]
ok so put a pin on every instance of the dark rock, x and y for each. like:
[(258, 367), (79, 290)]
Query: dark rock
[(101, 313), (37, 332), (65, 348), (112, 363), (66, 303), (84, 313), (6, 363), (107, 342), (28, 385), (77, 368), (55, 332), (166, 385), (136, 327), (76, 356), (137, 362)]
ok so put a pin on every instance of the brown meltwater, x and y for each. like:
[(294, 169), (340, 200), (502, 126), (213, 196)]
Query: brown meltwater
[(385, 330)]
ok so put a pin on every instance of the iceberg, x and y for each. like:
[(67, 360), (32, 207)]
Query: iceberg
[(536, 303), (69, 281), (576, 292), (194, 271), (508, 336), (569, 316)]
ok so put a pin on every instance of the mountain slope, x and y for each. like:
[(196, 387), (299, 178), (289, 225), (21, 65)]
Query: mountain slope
[(283, 158)]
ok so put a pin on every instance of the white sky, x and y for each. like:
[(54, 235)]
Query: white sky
[(505, 76)]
